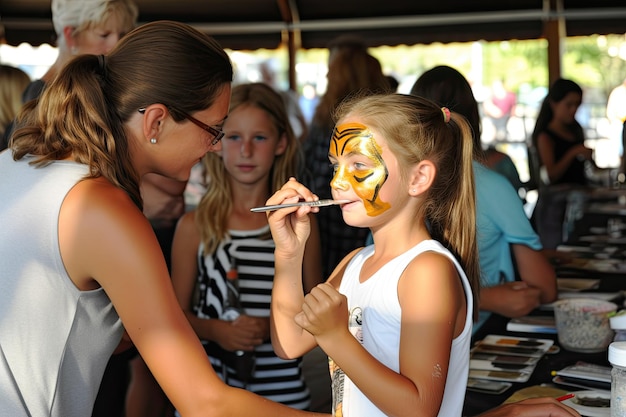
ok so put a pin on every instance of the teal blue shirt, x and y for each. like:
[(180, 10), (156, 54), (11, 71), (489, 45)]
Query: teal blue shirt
[(500, 222)]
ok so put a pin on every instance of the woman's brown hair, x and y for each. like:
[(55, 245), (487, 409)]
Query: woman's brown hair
[(82, 112)]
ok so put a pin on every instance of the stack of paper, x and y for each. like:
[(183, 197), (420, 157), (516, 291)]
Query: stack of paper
[(505, 359)]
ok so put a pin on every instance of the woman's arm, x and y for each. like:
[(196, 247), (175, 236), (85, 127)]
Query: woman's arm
[(518, 298), (535, 270), (556, 169), (106, 241), (291, 228)]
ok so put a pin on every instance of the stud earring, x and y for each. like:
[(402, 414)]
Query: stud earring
[(413, 190), (153, 141), (74, 50)]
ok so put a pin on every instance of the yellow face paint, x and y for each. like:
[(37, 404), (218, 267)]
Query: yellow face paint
[(362, 166)]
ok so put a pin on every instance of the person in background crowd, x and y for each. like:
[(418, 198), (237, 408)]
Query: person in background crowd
[(308, 100), (82, 27), (507, 244), (395, 317), (616, 113), (12, 82), (80, 262), (223, 257), (503, 164), (393, 83), (559, 156), (499, 107), (85, 27)]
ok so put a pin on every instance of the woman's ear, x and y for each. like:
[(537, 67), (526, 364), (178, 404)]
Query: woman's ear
[(422, 177), (152, 117)]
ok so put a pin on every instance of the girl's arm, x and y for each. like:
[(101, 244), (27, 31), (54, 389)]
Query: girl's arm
[(106, 241), (434, 309), (290, 230), (248, 332)]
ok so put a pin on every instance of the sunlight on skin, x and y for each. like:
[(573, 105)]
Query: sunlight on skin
[(363, 167)]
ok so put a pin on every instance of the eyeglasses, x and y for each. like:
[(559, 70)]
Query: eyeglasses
[(217, 134)]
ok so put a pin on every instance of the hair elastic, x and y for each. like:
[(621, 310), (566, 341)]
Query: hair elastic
[(446, 114)]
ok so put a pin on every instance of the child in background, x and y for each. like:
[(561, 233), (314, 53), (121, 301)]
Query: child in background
[(223, 239), (394, 317)]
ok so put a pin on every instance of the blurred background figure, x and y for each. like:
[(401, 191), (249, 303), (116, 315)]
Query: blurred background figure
[(503, 164), (498, 107), (308, 100), (393, 83), (558, 155), (82, 27), (346, 42), (12, 82), (351, 71), (85, 27), (616, 113)]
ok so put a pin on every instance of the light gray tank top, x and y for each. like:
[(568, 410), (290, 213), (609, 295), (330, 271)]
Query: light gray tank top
[(55, 340)]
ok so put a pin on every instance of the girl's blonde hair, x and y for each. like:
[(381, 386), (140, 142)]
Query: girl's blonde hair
[(83, 111), (215, 206), (417, 129), (13, 81)]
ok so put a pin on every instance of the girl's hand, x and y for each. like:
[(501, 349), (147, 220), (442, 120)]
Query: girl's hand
[(241, 334), (291, 226), (324, 313)]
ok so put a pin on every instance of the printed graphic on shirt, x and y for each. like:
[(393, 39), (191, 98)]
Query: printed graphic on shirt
[(337, 376)]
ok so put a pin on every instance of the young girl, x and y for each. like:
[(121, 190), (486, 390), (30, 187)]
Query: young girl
[(395, 317), (223, 241)]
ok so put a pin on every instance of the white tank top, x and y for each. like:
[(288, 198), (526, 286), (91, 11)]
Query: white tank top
[(55, 340), (375, 316)]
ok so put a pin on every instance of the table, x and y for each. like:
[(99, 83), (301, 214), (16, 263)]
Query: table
[(476, 403)]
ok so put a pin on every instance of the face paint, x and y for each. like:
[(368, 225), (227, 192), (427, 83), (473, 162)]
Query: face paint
[(350, 141)]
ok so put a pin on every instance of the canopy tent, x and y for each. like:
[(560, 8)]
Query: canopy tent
[(254, 24)]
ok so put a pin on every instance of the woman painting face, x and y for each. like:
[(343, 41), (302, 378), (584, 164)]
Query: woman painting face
[(358, 165)]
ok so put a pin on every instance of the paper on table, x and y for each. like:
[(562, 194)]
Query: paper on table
[(576, 284)]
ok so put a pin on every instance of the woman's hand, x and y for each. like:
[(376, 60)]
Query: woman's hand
[(291, 226)]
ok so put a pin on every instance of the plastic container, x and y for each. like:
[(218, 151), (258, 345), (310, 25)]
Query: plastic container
[(617, 357), (582, 324), (618, 324)]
